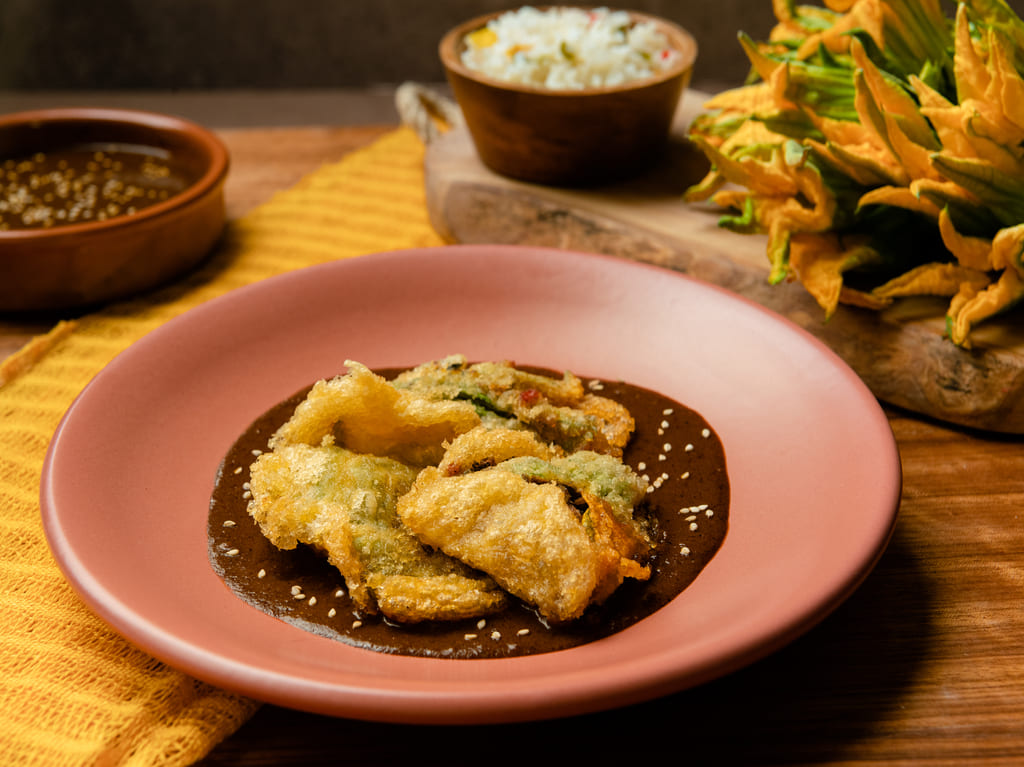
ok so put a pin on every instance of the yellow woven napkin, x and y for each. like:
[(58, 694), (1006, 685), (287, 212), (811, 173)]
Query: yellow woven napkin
[(71, 691)]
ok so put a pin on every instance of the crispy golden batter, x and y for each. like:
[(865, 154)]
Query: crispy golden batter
[(362, 412), (417, 598), (483, 447), (559, 410), (619, 546), (343, 503), (431, 492), (453, 378), (590, 473), (525, 535), (529, 536)]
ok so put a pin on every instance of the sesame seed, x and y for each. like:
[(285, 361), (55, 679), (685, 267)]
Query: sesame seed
[(667, 411), (231, 553), (339, 593), (296, 590), (709, 513), (468, 637), (312, 601), (684, 475), (246, 485), (522, 632), (495, 635), (650, 489), (228, 523), (691, 518), (641, 466), (667, 447), (693, 526), (661, 432), (238, 470), (356, 624), (705, 433), (664, 475), (299, 597), (257, 452), (662, 457), (664, 424), (261, 574), (481, 623), (684, 550), (246, 495), (331, 613), (689, 447)]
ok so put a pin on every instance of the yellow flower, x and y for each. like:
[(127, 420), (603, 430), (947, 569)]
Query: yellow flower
[(871, 121)]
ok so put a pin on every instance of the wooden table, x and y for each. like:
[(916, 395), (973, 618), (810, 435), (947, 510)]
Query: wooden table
[(924, 664)]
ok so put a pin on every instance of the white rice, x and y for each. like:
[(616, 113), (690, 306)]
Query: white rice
[(568, 48)]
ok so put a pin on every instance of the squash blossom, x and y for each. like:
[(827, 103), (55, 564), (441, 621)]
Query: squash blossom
[(880, 146)]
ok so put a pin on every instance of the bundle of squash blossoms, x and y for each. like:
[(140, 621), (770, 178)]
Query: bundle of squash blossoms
[(880, 146)]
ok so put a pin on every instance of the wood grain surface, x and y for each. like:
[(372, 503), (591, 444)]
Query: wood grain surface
[(900, 353), (923, 664)]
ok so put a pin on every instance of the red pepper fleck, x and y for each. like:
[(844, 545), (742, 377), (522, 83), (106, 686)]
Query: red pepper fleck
[(529, 397)]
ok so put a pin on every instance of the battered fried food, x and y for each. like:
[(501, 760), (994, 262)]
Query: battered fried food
[(556, 532), (362, 412), (432, 493), (483, 447), (560, 411), (590, 473), (343, 504)]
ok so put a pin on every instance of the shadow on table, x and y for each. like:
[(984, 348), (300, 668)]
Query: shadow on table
[(811, 701)]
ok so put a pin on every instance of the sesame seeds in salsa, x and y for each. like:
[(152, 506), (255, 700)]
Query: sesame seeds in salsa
[(673, 446), (79, 185)]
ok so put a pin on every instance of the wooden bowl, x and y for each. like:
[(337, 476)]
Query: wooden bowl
[(568, 137), (88, 262)]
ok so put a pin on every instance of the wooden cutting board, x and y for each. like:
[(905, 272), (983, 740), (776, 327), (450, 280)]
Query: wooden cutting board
[(900, 353)]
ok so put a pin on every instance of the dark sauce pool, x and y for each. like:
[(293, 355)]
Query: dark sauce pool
[(673, 445), (84, 184)]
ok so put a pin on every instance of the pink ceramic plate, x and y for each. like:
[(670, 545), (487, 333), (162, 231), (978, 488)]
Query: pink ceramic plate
[(814, 470)]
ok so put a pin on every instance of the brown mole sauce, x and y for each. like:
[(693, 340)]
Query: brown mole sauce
[(691, 507)]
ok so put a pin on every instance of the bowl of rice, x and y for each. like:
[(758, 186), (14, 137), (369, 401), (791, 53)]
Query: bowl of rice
[(565, 95)]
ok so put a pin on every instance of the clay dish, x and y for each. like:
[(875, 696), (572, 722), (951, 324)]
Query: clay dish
[(571, 137), (88, 262)]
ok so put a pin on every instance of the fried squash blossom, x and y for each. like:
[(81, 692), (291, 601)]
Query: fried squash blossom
[(446, 491)]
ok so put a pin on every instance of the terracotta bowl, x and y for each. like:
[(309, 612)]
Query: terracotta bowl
[(568, 138), (82, 264)]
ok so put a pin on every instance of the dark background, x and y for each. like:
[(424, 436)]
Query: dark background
[(240, 62), (243, 44)]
